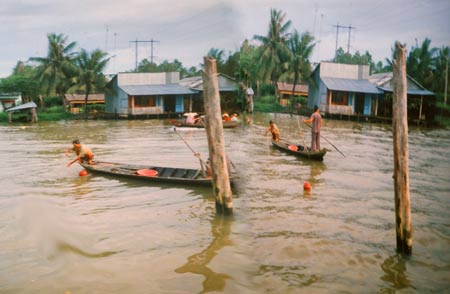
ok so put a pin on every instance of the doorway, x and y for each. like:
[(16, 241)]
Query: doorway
[(359, 103)]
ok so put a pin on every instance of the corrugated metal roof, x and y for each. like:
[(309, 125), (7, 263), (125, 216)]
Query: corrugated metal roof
[(23, 106), (358, 86), (168, 89), (412, 91), (91, 97), (288, 87)]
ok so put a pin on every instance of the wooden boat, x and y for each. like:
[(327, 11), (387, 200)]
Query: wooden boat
[(299, 150), (183, 176), (178, 124)]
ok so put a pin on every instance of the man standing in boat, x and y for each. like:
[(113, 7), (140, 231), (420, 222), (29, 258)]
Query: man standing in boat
[(316, 120)]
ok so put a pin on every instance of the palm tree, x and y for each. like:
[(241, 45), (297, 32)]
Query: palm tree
[(419, 63), (298, 65), (90, 75), (55, 69), (274, 48)]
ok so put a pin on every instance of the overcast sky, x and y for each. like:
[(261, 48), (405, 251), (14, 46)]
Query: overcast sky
[(187, 29)]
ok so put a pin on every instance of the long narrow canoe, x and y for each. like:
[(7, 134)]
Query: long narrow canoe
[(226, 125), (299, 150), (183, 176)]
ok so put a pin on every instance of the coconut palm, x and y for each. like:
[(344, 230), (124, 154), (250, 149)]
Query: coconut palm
[(298, 65), (440, 70), (419, 63), (274, 48), (54, 70), (90, 72)]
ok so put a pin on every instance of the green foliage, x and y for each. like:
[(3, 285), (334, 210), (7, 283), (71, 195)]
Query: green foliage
[(298, 67), (3, 117), (57, 69), (167, 66), (267, 103), (357, 58), (21, 81), (52, 101), (273, 50), (267, 89), (54, 115), (248, 65)]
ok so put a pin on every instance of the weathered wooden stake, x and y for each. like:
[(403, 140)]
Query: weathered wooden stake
[(214, 132), (403, 226)]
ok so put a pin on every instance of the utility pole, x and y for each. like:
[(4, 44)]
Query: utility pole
[(136, 49), (445, 88), (151, 56), (446, 82), (337, 38), (349, 31), (106, 38)]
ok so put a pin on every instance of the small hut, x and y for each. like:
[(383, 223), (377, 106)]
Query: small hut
[(27, 106)]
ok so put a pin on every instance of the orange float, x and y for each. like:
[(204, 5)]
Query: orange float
[(83, 173), (147, 172), (293, 147), (306, 186)]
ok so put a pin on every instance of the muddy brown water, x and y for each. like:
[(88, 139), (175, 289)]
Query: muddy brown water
[(64, 233)]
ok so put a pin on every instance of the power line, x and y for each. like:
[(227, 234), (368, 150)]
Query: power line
[(136, 42), (337, 37)]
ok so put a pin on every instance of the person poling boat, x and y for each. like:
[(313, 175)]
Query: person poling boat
[(316, 120)]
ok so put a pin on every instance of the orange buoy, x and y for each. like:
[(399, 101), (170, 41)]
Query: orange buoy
[(83, 173), (306, 185), (293, 147), (147, 172)]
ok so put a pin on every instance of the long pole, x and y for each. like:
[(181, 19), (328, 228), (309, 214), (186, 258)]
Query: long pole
[(202, 163), (403, 225), (337, 149)]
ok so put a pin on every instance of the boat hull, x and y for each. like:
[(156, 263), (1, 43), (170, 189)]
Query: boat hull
[(302, 150), (181, 176), (226, 125)]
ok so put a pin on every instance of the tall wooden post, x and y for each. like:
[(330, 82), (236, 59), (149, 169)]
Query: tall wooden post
[(214, 132), (403, 225)]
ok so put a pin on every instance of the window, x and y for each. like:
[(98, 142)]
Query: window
[(339, 98), (144, 101)]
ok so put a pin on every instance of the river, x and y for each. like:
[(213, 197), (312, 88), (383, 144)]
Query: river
[(62, 233)]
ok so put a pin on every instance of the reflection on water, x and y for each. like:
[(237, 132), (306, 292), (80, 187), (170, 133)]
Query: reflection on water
[(198, 263), (98, 234), (394, 269)]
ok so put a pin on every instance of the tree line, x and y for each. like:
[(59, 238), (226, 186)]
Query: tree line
[(281, 54)]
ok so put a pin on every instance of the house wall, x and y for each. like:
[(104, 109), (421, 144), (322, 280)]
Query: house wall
[(8, 101), (117, 102), (344, 71), (226, 83), (159, 78)]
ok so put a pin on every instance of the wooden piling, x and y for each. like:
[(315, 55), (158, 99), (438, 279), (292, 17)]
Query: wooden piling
[(214, 132), (34, 118), (403, 226)]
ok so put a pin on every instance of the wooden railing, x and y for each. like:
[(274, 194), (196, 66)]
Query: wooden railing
[(146, 110)]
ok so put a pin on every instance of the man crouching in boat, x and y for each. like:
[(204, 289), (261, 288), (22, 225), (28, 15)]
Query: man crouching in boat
[(273, 129), (82, 152)]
